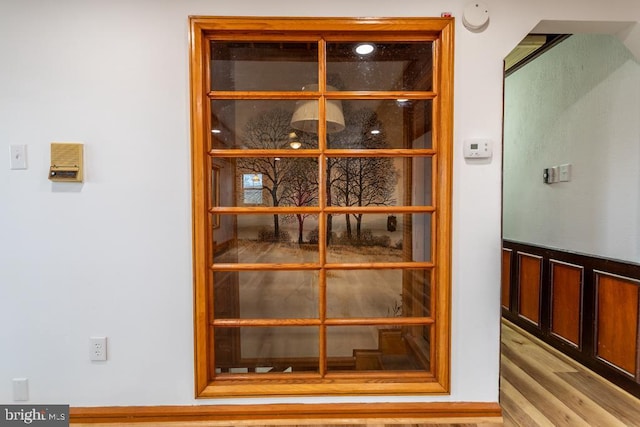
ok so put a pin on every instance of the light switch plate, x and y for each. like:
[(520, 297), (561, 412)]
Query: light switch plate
[(564, 174), (18, 157)]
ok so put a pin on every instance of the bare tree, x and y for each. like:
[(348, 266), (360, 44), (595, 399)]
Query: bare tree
[(269, 130), (363, 181), (302, 187)]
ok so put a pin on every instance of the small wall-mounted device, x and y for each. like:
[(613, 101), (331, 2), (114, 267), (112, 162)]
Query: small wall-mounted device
[(66, 162), (477, 149), (475, 16)]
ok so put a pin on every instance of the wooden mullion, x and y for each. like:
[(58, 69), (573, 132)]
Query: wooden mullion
[(379, 265), (238, 323), (328, 266), (241, 210), (269, 376), (263, 153), (382, 152), (380, 321), (322, 313), (262, 95), (380, 209), (390, 95), (262, 267)]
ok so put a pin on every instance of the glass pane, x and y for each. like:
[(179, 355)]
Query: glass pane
[(267, 349), (380, 181), (258, 125), (265, 181), (379, 348), (384, 123), (365, 238), (400, 66), (265, 294), (378, 293), (265, 238), (258, 66)]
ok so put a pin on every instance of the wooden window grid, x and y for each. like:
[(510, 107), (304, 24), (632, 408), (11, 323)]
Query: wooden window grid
[(207, 210)]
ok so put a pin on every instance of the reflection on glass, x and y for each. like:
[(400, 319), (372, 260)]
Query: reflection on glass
[(379, 348), (266, 294), (379, 181), (260, 66), (380, 124), (257, 125), (388, 66), (364, 293), (360, 237), (269, 181), (264, 238), (270, 349), (378, 293)]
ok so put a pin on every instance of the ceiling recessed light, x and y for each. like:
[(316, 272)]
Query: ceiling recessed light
[(216, 131), (375, 132), (402, 100), (364, 48)]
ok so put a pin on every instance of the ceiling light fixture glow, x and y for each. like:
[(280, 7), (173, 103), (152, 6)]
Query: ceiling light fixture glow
[(375, 132), (364, 49)]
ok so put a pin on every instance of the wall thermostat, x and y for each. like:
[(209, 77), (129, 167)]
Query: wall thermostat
[(477, 149)]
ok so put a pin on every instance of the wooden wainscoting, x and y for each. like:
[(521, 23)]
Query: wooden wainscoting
[(529, 285), (585, 306), (507, 254), (617, 322), (566, 301)]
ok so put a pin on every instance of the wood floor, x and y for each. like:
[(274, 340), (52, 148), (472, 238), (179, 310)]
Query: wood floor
[(539, 387)]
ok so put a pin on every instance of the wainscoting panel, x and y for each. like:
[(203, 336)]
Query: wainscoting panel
[(617, 321), (529, 278), (506, 278), (566, 301), (585, 306)]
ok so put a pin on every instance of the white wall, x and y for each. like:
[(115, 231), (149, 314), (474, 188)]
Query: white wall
[(578, 103), (113, 256)]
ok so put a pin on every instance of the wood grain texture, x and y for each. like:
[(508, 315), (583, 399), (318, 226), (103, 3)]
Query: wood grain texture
[(529, 280), (542, 387), (617, 321), (604, 344), (566, 301), (505, 294), (319, 31)]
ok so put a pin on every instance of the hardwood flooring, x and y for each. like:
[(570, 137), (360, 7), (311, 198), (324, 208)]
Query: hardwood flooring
[(538, 387), (541, 387)]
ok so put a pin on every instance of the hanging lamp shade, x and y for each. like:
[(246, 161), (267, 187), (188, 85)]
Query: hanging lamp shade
[(305, 115)]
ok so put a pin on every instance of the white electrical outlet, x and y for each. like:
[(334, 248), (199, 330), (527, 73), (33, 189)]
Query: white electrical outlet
[(98, 348), (20, 389)]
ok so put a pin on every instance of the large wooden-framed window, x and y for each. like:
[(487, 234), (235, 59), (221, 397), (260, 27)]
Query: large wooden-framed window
[(321, 205)]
